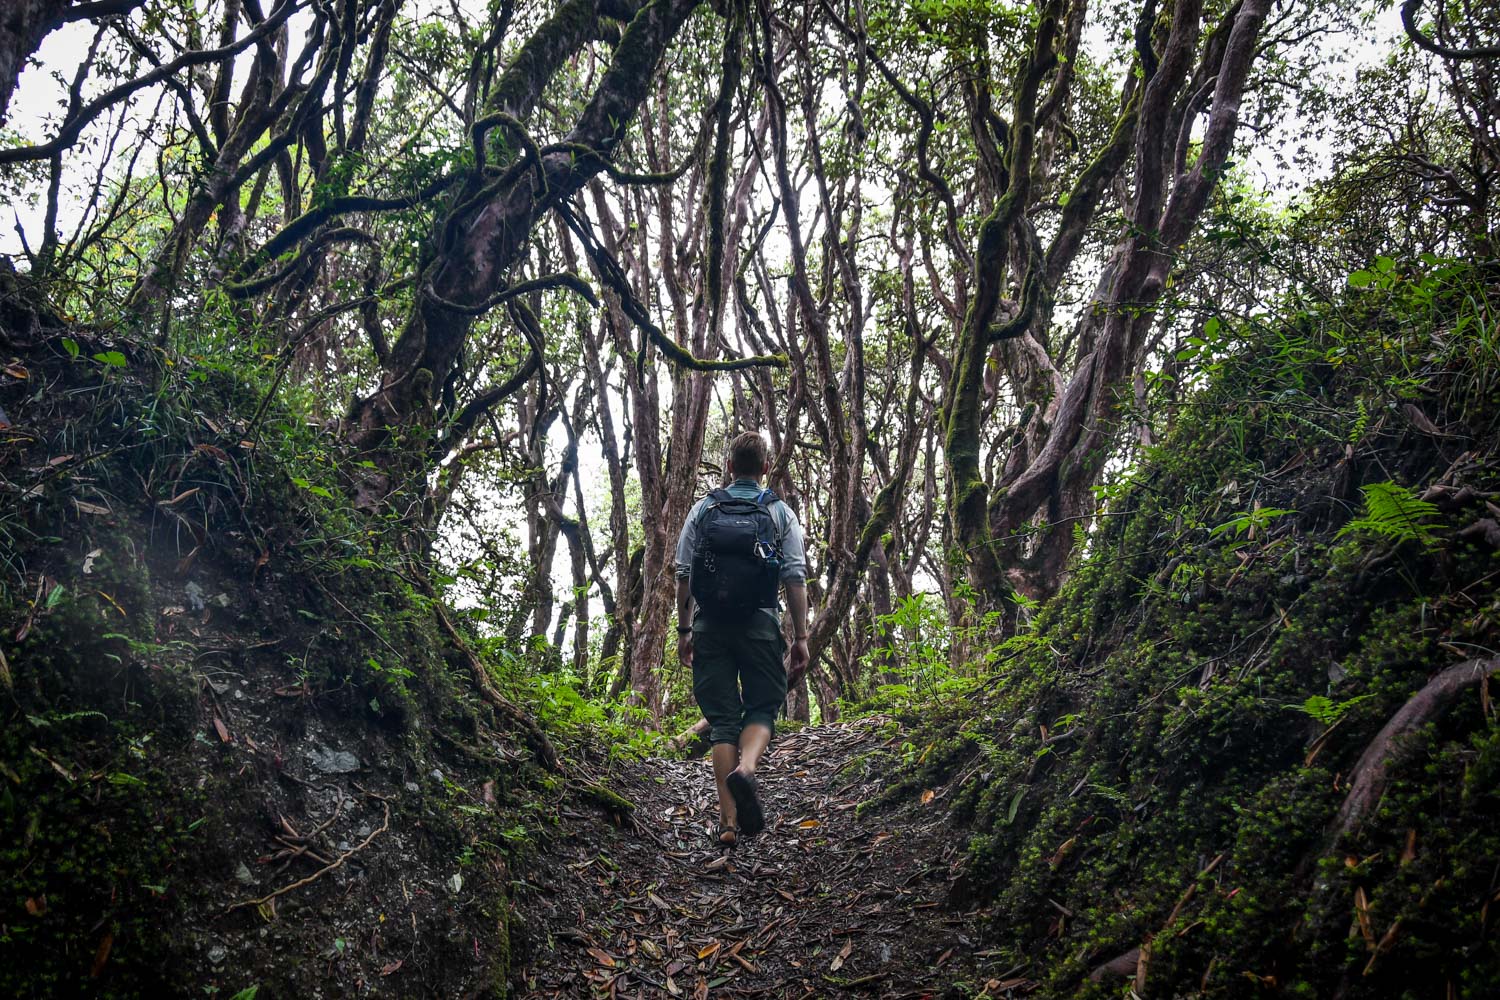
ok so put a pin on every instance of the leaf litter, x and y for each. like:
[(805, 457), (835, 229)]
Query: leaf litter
[(826, 902)]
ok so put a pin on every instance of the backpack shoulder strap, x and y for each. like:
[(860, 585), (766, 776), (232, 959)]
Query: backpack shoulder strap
[(720, 495), (767, 497)]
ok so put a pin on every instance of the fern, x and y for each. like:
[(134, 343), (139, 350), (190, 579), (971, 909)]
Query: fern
[(1392, 511)]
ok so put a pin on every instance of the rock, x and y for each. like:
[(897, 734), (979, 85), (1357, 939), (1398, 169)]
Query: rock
[(194, 595), (412, 786), (244, 875), (217, 954), (326, 761), (221, 600), (456, 883), (437, 775)]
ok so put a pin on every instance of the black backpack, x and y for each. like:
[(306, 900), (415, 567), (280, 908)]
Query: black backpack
[(737, 563)]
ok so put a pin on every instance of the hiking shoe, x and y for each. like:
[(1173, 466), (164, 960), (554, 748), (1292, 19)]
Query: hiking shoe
[(746, 802)]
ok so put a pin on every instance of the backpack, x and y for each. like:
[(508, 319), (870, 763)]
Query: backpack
[(737, 563)]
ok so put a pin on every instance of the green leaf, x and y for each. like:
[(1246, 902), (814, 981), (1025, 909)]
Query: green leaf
[(71, 346), (1211, 328), (1361, 279), (113, 359), (1384, 264), (248, 993), (55, 596), (1015, 803)]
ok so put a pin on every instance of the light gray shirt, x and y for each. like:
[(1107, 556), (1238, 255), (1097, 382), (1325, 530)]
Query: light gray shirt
[(788, 538)]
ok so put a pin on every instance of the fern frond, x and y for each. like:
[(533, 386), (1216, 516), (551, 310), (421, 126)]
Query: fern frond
[(1393, 511)]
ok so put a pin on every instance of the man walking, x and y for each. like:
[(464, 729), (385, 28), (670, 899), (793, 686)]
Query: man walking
[(738, 547)]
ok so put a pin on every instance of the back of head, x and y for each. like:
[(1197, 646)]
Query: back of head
[(748, 455)]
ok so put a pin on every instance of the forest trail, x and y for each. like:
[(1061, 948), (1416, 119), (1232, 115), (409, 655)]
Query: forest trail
[(825, 902)]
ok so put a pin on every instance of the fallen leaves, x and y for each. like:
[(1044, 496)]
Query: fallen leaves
[(678, 917)]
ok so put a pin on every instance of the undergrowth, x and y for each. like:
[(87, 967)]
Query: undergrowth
[(1157, 762), (168, 531)]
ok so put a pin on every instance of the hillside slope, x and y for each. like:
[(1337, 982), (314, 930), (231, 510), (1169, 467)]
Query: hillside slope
[(1251, 749), (239, 750)]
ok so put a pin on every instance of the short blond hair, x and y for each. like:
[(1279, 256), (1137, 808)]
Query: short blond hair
[(748, 454)]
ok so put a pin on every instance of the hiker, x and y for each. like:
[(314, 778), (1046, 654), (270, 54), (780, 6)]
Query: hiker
[(739, 546)]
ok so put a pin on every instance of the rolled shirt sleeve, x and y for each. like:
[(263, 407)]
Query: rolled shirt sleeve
[(793, 554), (687, 541)]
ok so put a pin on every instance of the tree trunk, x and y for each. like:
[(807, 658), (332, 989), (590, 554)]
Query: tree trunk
[(22, 27)]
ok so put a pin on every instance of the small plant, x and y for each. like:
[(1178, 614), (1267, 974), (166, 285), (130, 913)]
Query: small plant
[(1249, 523), (1395, 512), (1326, 710)]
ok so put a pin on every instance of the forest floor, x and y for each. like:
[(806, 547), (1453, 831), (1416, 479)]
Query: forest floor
[(829, 900)]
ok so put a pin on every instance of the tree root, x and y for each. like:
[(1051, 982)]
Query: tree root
[(1372, 773), (385, 825), (543, 747)]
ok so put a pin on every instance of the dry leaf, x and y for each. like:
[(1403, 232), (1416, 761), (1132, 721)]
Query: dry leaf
[(221, 729), (943, 958), (604, 958), (89, 508), (808, 824), (1420, 422), (386, 970), (101, 955), (927, 796), (1362, 914), (88, 561), (16, 371), (842, 956), (181, 497), (700, 992), (36, 906), (708, 950)]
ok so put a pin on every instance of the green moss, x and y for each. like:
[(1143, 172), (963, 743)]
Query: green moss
[(1155, 718)]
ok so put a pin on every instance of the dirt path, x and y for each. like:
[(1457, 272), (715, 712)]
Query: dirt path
[(823, 903)]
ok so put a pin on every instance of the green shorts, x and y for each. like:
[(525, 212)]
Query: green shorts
[(739, 677)]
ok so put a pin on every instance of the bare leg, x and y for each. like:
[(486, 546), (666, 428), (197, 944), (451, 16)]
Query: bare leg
[(725, 757), (754, 739)]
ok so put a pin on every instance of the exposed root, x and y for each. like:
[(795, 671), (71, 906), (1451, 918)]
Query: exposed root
[(1372, 772), (385, 824), (545, 751)]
